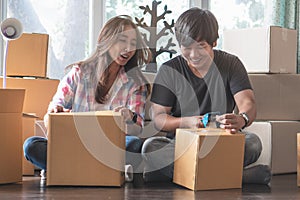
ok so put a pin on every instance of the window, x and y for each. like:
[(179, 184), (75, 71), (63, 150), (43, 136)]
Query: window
[(235, 14), (131, 7), (66, 22), (73, 25)]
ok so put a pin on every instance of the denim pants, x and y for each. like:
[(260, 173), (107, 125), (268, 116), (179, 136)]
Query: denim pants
[(158, 155), (35, 151)]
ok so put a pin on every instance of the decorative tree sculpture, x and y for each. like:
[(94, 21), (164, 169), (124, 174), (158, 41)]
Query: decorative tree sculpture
[(154, 36)]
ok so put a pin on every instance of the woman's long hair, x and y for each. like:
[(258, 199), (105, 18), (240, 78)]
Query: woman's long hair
[(101, 59)]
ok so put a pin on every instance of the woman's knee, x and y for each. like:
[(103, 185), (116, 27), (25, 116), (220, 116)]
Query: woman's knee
[(30, 145), (133, 144)]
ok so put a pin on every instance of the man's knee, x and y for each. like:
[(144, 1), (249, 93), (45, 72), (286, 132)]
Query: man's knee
[(253, 144), (253, 148)]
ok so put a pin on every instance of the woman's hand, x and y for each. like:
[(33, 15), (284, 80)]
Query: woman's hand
[(58, 109), (231, 122), (125, 112)]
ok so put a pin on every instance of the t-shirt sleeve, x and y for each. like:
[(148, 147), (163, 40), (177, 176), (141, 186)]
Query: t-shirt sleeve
[(239, 79), (163, 87)]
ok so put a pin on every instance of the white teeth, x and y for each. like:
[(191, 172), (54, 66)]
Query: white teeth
[(124, 56)]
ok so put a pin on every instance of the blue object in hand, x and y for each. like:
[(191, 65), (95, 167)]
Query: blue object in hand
[(209, 120)]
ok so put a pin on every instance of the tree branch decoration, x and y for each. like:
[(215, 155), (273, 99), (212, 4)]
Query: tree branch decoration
[(154, 36)]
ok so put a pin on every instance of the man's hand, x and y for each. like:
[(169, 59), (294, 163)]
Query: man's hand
[(231, 122), (192, 122)]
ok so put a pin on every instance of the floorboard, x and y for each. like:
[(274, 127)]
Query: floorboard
[(281, 187)]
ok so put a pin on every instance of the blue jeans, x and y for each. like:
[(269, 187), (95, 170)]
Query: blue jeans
[(35, 151), (158, 154)]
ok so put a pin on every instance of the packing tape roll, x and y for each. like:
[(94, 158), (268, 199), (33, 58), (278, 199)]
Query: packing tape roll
[(128, 173)]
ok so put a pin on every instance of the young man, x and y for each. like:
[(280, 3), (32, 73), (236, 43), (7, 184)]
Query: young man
[(198, 81)]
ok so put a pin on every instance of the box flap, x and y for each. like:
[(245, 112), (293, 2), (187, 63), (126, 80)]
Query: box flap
[(30, 115), (11, 100), (207, 131)]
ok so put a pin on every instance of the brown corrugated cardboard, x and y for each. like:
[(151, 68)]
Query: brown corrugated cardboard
[(207, 159), (86, 149), (10, 97), (28, 131), (279, 144), (11, 135), (150, 77), (39, 93), (298, 159), (277, 96), (264, 50), (27, 56)]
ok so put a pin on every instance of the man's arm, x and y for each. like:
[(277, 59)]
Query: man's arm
[(245, 102), (165, 122)]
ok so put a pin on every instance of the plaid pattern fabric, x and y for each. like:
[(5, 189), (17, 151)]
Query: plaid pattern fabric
[(76, 91)]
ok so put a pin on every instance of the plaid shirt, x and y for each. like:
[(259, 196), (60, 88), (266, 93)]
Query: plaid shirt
[(76, 91)]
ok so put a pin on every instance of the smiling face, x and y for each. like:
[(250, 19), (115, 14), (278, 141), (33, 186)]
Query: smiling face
[(125, 46), (199, 55)]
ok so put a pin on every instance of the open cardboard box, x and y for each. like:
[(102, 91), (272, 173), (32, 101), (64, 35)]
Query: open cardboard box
[(39, 93), (86, 149), (207, 159), (11, 135)]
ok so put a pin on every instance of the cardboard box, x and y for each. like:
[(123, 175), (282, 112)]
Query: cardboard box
[(264, 50), (28, 131), (86, 149), (150, 77), (27, 56), (11, 135), (207, 159), (298, 159), (39, 93), (279, 144), (277, 96)]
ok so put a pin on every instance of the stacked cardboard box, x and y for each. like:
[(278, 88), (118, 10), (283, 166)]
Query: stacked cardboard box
[(27, 56), (270, 57), (26, 67)]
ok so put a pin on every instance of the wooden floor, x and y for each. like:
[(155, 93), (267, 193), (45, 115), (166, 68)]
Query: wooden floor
[(282, 187)]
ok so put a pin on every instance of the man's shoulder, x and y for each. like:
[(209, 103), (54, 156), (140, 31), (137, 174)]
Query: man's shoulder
[(174, 62), (220, 54)]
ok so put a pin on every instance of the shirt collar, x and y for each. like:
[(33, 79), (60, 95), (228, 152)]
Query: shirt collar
[(123, 75)]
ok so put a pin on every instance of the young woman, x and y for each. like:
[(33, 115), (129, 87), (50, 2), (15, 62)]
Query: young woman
[(110, 79)]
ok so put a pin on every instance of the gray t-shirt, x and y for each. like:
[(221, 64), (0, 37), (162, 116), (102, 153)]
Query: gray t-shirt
[(176, 86)]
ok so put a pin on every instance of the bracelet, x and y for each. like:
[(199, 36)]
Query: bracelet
[(246, 118)]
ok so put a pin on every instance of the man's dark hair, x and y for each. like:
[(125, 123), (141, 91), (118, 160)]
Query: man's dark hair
[(198, 25)]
